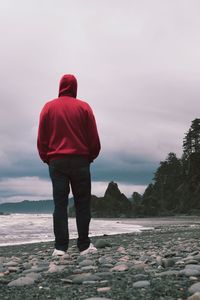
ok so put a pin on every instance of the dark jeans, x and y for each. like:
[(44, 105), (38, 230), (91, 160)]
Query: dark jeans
[(74, 171)]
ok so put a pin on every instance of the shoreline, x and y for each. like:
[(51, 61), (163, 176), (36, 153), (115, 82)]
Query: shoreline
[(22, 230), (163, 263)]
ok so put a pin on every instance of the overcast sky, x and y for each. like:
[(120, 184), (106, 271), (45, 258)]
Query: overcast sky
[(137, 65)]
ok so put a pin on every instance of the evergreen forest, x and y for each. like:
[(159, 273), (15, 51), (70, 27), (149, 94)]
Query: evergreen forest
[(176, 184)]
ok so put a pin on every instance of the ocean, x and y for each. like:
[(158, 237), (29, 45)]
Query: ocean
[(29, 228)]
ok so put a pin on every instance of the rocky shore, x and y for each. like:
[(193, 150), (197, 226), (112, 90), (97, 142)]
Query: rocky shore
[(163, 263)]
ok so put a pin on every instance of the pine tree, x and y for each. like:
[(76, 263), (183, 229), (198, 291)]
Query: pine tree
[(136, 201), (191, 142), (190, 197), (150, 203), (168, 177), (159, 198)]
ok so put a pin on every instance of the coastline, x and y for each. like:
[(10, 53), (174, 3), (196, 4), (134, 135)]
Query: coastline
[(163, 263), (20, 229), (17, 229)]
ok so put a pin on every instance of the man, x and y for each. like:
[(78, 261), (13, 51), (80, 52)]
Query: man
[(68, 142)]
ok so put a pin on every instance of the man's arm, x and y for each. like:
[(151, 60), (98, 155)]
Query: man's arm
[(93, 137), (42, 139)]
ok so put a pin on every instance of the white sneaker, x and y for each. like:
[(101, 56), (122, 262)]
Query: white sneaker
[(58, 252), (90, 249)]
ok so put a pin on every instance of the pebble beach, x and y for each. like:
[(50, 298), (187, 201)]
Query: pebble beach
[(163, 263)]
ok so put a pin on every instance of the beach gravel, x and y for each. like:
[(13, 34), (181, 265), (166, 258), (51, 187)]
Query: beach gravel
[(160, 264)]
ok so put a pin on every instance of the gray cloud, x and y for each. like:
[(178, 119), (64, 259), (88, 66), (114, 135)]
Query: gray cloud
[(125, 169)]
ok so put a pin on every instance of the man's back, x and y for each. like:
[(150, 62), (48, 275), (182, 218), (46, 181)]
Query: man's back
[(67, 126)]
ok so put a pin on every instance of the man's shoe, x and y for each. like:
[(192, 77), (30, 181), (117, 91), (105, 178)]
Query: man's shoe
[(57, 252), (90, 249)]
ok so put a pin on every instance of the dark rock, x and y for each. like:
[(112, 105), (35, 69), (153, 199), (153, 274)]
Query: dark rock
[(101, 243)]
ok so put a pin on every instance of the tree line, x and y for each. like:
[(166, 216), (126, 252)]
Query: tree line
[(176, 184)]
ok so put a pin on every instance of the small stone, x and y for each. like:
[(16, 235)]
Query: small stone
[(75, 255), (104, 289), (98, 298), (122, 263), (195, 288), (179, 263), (141, 284), (21, 281), (196, 296), (80, 258), (193, 278), (139, 265), (104, 281), (145, 258), (191, 261), (26, 265), (77, 271), (34, 261), (72, 247), (34, 276), (52, 268), (107, 266), (84, 277), (65, 262), (11, 264), (90, 282), (120, 268), (15, 258), (170, 254), (43, 264), (31, 257), (167, 273), (13, 269), (124, 258), (193, 267), (121, 250), (194, 253), (105, 259), (153, 263), (197, 257), (66, 280), (190, 272), (38, 269), (88, 268), (101, 243), (55, 269), (2, 259), (167, 262), (6, 272), (86, 262), (140, 277), (104, 274), (65, 256)]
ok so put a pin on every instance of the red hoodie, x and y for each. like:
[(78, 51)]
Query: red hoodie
[(67, 125)]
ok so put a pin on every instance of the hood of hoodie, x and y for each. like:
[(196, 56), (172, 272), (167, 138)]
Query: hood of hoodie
[(68, 86)]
